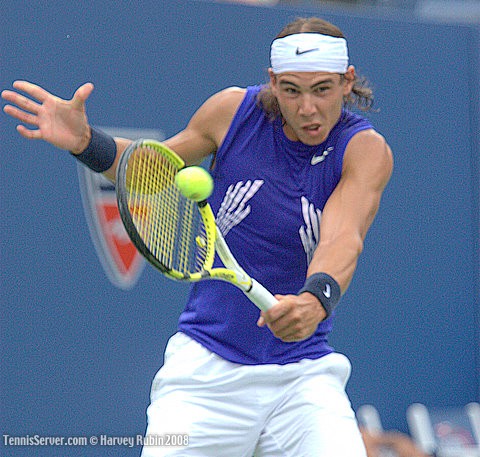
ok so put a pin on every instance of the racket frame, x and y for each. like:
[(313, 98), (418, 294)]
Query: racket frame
[(233, 273)]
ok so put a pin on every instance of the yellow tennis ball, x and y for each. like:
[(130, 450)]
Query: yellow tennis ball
[(194, 183)]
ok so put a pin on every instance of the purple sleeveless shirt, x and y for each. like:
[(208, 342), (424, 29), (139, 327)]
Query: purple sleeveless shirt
[(268, 198)]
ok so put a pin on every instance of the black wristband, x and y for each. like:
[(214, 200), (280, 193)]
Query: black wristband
[(325, 288), (100, 153)]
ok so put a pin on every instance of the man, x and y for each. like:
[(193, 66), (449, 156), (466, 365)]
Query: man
[(298, 181)]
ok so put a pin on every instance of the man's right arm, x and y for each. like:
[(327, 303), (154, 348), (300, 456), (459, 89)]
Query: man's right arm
[(204, 133), (64, 123)]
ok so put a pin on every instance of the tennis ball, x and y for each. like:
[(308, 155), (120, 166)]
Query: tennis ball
[(194, 183)]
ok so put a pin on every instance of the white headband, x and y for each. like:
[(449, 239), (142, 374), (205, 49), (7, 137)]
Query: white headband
[(309, 52)]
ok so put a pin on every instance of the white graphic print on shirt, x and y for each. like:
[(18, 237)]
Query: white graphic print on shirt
[(234, 206)]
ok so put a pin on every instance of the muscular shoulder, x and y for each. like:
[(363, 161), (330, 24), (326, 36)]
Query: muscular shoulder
[(215, 115), (231, 96), (207, 127), (368, 155), (224, 104)]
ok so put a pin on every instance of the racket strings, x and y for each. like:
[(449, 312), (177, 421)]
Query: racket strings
[(169, 224)]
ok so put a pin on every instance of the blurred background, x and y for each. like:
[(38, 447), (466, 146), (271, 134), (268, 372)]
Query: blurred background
[(84, 322)]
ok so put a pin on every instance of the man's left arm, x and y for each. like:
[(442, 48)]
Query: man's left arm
[(346, 218), (351, 209)]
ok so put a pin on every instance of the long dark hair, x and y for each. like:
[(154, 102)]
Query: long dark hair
[(361, 95)]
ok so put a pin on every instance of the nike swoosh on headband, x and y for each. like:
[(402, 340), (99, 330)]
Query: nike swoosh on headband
[(309, 52), (299, 51)]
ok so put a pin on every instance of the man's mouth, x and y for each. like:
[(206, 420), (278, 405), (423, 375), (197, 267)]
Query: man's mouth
[(311, 128)]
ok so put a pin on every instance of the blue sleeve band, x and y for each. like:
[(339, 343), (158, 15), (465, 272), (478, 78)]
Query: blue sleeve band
[(325, 288), (100, 153)]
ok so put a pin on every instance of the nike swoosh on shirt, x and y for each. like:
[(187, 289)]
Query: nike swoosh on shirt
[(304, 51), (320, 158)]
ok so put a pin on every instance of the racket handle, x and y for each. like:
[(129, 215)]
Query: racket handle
[(260, 296)]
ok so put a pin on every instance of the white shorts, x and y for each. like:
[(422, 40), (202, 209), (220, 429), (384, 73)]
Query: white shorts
[(231, 410)]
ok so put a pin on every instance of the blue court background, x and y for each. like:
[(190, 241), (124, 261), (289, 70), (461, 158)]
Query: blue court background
[(78, 354)]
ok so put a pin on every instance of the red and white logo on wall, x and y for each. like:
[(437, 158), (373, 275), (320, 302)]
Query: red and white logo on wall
[(121, 261)]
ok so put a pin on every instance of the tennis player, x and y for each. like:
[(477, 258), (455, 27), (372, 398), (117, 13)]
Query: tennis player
[(298, 182)]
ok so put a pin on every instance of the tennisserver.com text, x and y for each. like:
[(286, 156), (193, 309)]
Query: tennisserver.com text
[(172, 439)]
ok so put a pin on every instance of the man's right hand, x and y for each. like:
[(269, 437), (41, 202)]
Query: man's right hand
[(62, 123)]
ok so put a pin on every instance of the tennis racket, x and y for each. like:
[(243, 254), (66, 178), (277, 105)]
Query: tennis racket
[(176, 235)]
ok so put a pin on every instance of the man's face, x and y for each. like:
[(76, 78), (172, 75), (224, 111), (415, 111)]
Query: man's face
[(310, 103)]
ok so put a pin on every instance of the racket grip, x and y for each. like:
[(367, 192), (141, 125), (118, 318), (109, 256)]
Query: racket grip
[(260, 296)]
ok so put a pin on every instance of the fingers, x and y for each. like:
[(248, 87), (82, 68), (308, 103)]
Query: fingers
[(81, 95), (40, 94), (28, 133), (33, 90), (25, 118), (293, 318), (26, 110), (277, 312), (279, 320), (21, 101)]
